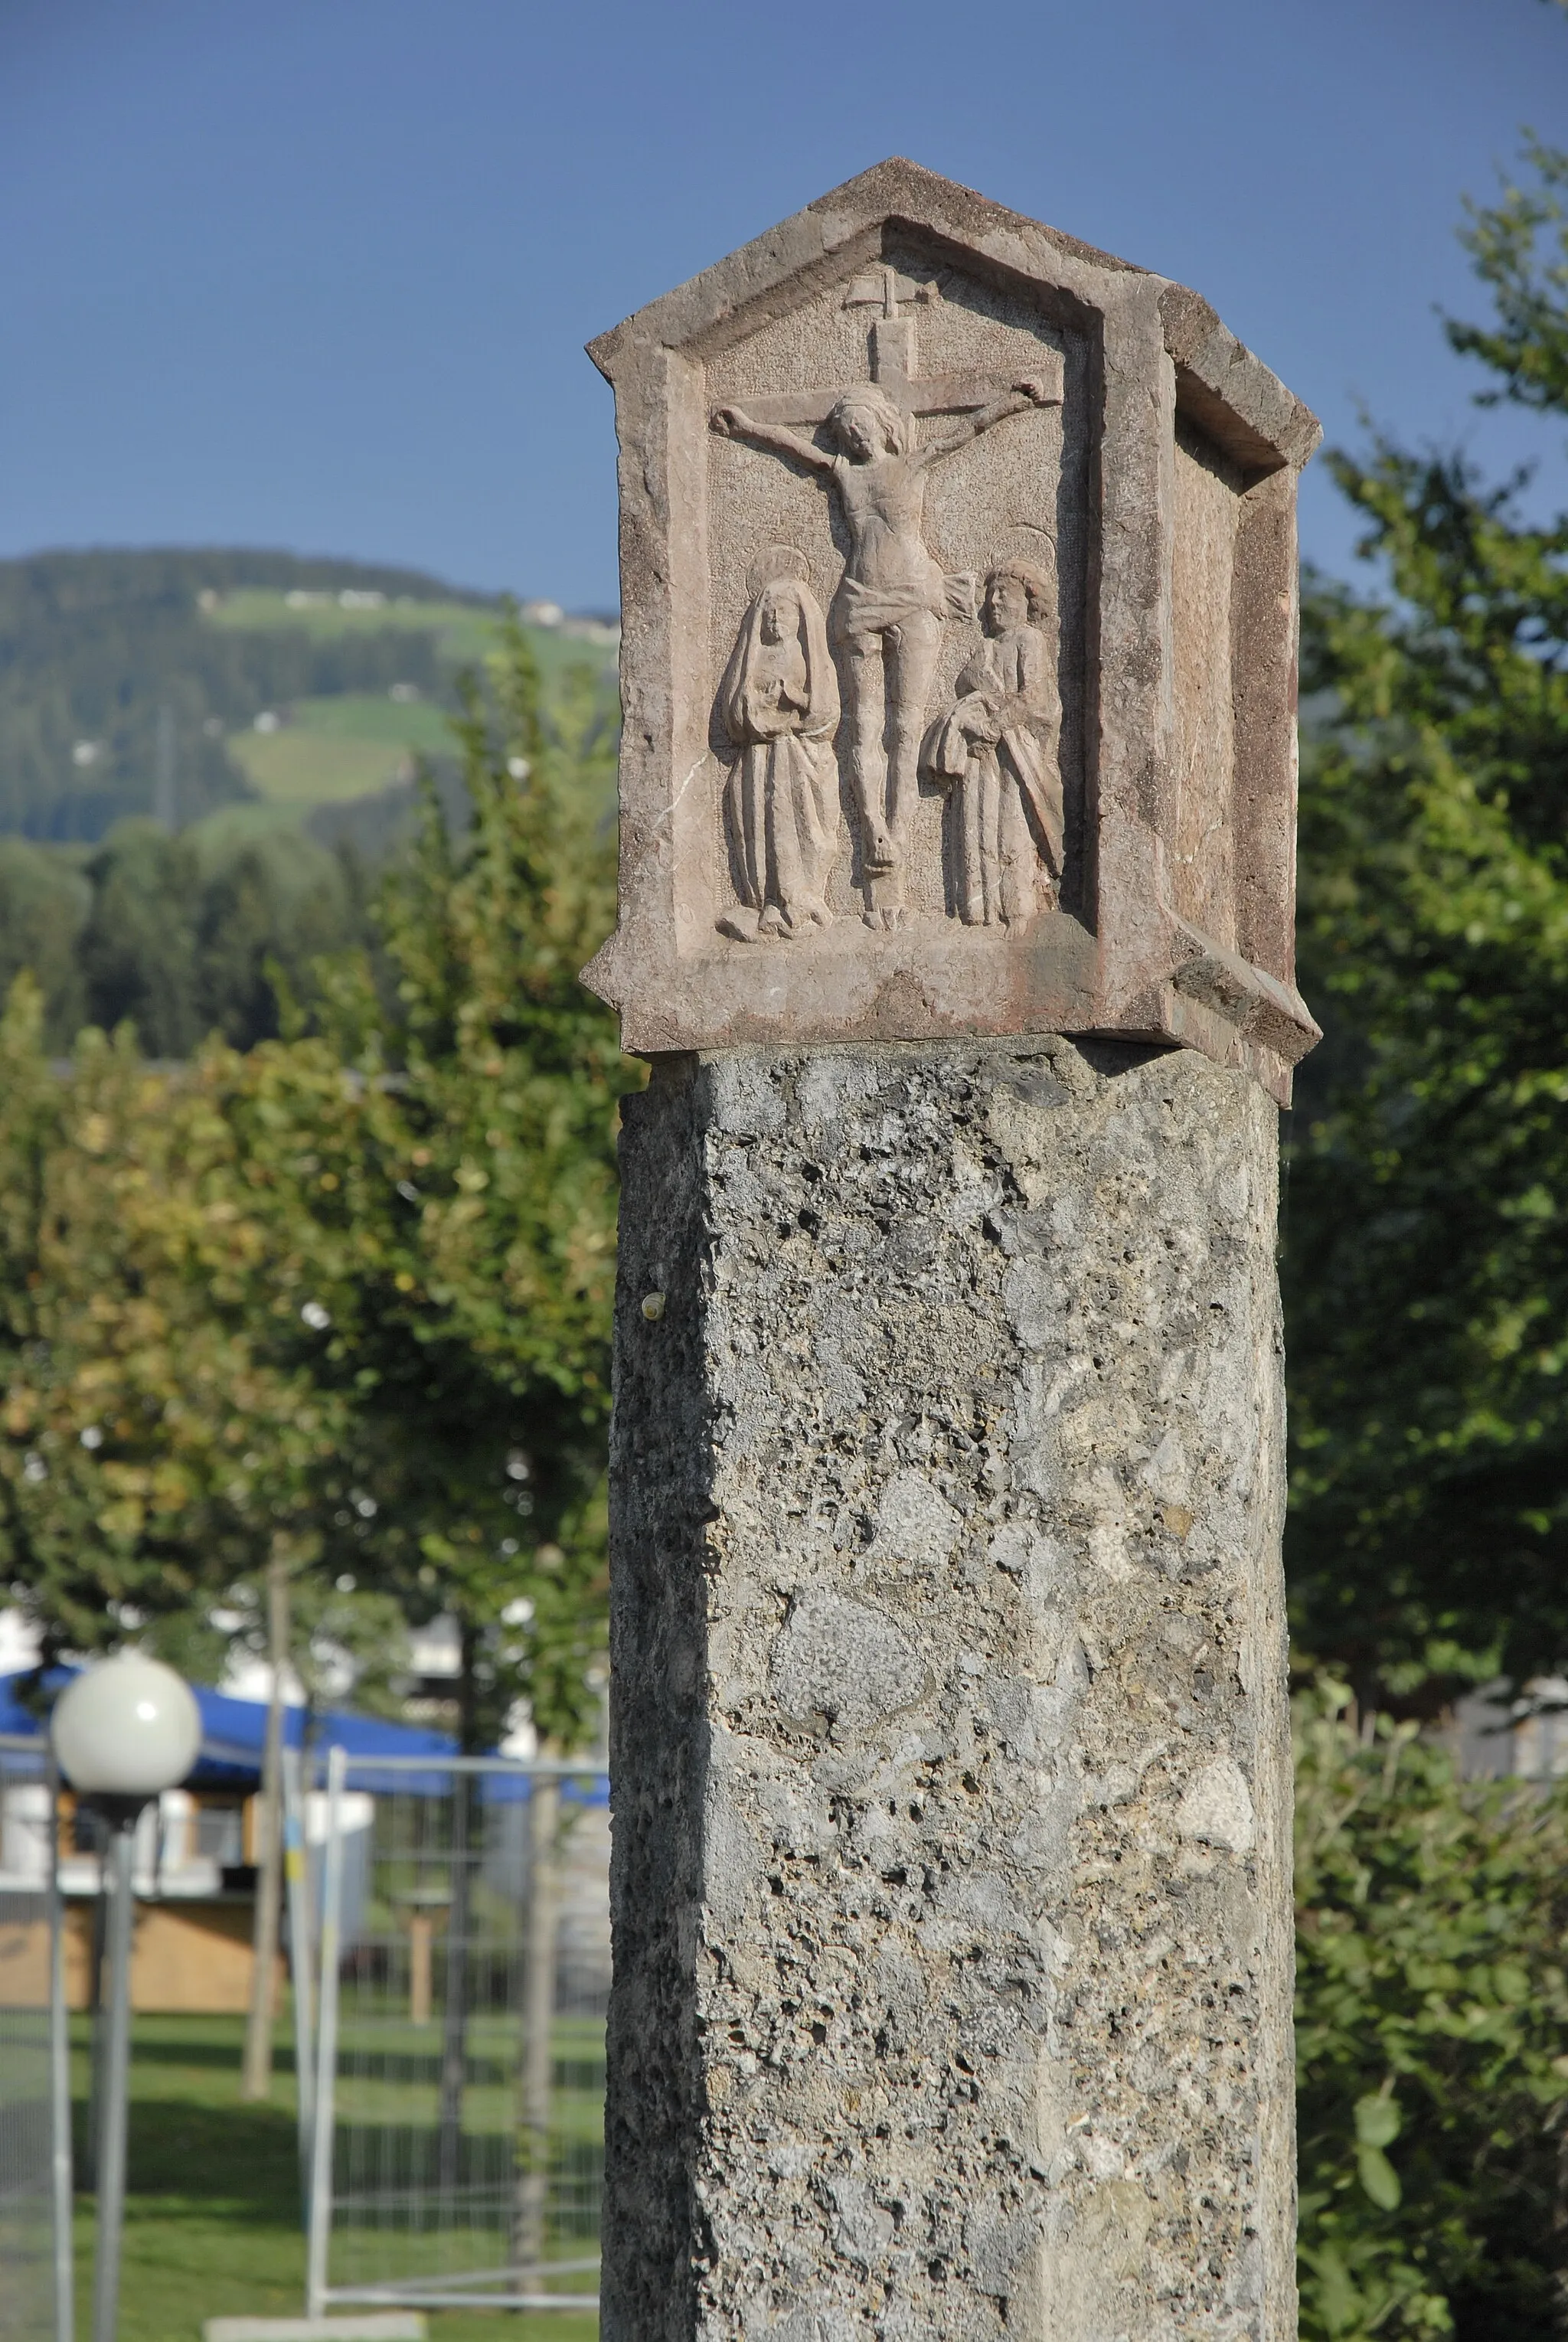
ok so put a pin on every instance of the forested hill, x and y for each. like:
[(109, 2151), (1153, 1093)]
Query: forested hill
[(124, 676), (204, 756)]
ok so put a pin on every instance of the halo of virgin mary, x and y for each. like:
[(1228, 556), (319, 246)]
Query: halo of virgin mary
[(778, 707)]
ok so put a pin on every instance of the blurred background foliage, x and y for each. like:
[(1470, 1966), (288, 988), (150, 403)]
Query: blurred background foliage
[(340, 1301), (1426, 1265), (1425, 1271), (1432, 2036)]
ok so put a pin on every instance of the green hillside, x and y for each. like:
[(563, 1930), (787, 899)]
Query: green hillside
[(318, 752), (347, 747), (203, 754), (170, 683)]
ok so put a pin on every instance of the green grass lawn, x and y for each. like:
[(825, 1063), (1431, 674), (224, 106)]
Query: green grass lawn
[(329, 750), (300, 771), (213, 2226), (374, 717)]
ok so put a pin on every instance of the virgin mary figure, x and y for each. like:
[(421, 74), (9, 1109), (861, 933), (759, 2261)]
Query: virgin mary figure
[(778, 709)]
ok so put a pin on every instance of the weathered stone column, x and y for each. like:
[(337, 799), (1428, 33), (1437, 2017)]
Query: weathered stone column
[(950, 1765)]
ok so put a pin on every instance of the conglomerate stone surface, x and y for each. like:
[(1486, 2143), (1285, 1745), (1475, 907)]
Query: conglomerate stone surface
[(951, 1785)]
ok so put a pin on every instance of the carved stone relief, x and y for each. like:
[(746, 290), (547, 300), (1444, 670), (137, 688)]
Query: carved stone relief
[(778, 711), (855, 804), (997, 756), (894, 599)]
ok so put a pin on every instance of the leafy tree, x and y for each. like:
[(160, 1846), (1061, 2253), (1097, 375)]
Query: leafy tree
[(348, 1291), (332, 1317), (438, 1186), (1426, 1271), (189, 935), (266, 912), (1432, 2002), (138, 949), (44, 906), (150, 1453), (443, 1248)]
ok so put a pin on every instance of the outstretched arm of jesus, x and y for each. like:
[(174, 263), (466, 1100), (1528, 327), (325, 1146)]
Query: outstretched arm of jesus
[(957, 434), (734, 423)]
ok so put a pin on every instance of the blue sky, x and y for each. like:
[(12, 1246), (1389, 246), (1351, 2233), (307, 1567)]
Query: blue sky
[(316, 274)]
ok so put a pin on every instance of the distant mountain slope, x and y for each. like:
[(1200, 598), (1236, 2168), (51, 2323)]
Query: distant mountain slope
[(203, 755), (170, 683)]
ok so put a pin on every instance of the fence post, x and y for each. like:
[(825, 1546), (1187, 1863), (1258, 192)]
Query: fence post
[(320, 2232), (534, 2067), (255, 2079), (297, 1880)]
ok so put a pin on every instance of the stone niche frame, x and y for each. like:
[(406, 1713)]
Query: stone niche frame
[(1178, 917)]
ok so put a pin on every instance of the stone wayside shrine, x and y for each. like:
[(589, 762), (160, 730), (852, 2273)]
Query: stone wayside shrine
[(951, 1772)]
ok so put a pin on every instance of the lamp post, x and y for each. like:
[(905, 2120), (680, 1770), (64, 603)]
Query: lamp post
[(123, 1732)]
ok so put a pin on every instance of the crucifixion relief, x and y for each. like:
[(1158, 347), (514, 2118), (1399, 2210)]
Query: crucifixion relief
[(887, 617)]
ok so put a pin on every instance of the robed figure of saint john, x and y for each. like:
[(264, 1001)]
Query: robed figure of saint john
[(778, 707), (996, 753)]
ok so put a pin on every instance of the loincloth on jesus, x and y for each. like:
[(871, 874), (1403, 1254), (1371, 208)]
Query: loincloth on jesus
[(860, 613)]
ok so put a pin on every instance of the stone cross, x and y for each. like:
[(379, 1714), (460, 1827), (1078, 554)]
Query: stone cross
[(893, 363), (950, 1767)]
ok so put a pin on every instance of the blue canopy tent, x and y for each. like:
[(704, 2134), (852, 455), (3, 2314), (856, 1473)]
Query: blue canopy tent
[(233, 1731)]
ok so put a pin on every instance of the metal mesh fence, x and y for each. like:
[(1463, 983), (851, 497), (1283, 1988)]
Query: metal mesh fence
[(34, 2170), (458, 2147)]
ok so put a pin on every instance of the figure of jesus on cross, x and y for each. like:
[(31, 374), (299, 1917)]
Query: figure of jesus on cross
[(887, 615)]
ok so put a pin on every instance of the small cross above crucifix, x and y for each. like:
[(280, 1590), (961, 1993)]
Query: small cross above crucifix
[(893, 365)]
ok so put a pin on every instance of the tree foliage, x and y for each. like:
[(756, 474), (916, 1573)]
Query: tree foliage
[(349, 1289), (448, 1210), (1427, 1267), (153, 1448), (1521, 248), (1426, 1277), (44, 906), (189, 935), (1431, 2013)]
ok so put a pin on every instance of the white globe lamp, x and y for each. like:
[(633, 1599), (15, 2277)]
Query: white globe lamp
[(123, 1732), (128, 1727)]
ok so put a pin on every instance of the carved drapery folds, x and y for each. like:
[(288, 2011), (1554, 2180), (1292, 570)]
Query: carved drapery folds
[(996, 755), (994, 758), (778, 709)]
